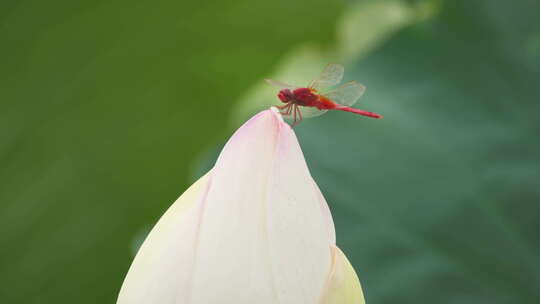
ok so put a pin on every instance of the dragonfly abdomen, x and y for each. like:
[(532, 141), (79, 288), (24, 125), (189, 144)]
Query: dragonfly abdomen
[(324, 103)]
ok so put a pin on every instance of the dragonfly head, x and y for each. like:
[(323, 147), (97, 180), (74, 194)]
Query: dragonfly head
[(285, 95)]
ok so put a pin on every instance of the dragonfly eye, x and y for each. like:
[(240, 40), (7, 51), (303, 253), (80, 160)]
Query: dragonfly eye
[(285, 95)]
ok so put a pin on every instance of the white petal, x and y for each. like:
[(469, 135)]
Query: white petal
[(264, 236), (300, 228), (254, 230), (162, 266), (343, 286), (232, 262)]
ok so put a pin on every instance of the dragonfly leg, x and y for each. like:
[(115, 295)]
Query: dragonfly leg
[(297, 115), (295, 121), (286, 109), (289, 110)]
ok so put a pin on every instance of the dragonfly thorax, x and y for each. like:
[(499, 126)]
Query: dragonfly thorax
[(300, 96), (305, 96)]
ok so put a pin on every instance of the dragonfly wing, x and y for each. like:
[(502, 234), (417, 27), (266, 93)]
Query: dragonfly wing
[(280, 84), (330, 76), (308, 112), (347, 94)]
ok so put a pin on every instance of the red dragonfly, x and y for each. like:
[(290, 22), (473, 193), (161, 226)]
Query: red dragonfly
[(303, 102)]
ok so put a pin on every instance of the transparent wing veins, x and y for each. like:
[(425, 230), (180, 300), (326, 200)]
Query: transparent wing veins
[(308, 112), (280, 84), (347, 94), (330, 76)]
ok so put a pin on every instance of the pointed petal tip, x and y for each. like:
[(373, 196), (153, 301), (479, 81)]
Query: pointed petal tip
[(272, 113), (276, 113), (271, 117), (260, 133)]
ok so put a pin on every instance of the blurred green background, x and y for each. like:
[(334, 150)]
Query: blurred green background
[(110, 109)]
